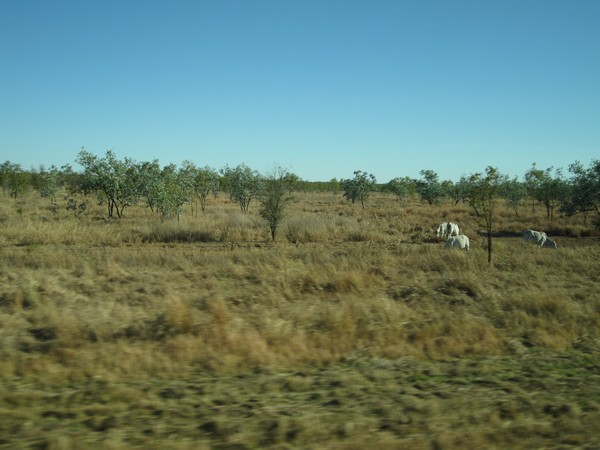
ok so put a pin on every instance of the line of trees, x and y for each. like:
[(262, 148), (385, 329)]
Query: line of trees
[(120, 183)]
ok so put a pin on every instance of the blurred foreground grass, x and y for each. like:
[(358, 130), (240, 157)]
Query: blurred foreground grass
[(542, 399)]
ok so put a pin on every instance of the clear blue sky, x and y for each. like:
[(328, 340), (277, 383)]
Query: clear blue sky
[(320, 87)]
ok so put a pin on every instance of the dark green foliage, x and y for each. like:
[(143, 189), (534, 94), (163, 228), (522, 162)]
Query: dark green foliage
[(429, 187), (360, 187), (401, 187), (275, 194), (116, 182), (545, 188), (458, 191), (514, 192), (483, 191), (244, 184), (49, 182), (13, 179), (205, 181), (583, 193)]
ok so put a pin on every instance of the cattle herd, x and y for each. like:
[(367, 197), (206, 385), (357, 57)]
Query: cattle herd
[(451, 232)]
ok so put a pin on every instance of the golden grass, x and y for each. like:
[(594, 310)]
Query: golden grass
[(140, 300)]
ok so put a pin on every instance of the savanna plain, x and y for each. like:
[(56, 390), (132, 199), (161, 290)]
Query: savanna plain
[(355, 329)]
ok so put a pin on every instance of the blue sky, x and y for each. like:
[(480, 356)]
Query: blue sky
[(320, 87)]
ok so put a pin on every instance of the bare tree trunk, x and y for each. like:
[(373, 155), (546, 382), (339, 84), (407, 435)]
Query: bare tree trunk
[(489, 246), (489, 234)]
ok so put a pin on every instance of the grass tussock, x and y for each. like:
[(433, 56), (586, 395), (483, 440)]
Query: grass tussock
[(291, 343)]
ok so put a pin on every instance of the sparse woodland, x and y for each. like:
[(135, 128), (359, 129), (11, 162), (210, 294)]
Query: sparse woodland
[(353, 329)]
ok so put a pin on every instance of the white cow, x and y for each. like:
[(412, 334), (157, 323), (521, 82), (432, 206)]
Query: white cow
[(540, 238), (441, 230), (461, 241), (452, 229), (447, 229)]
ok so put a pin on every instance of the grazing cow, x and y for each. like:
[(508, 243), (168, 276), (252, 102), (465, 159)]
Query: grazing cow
[(452, 229), (461, 241), (540, 238), (441, 230), (447, 229)]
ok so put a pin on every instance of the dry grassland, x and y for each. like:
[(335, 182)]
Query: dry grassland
[(356, 329)]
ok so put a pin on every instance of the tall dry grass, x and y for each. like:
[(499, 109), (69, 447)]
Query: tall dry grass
[(82, 295)]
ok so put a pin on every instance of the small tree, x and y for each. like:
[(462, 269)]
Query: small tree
[(275, 194), (583, 194), (429, 187), (360, 187), (244, 184), (514, 192), (150, 183), (205, 181), (49, 183), (333, 185), (116, 182), (547, 189), (167, 189), (482, 194), (216, 186), (401, 187), (533, 181), (13, 179), (458, 191), (184, 190), (73, 181), (177, 190)]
